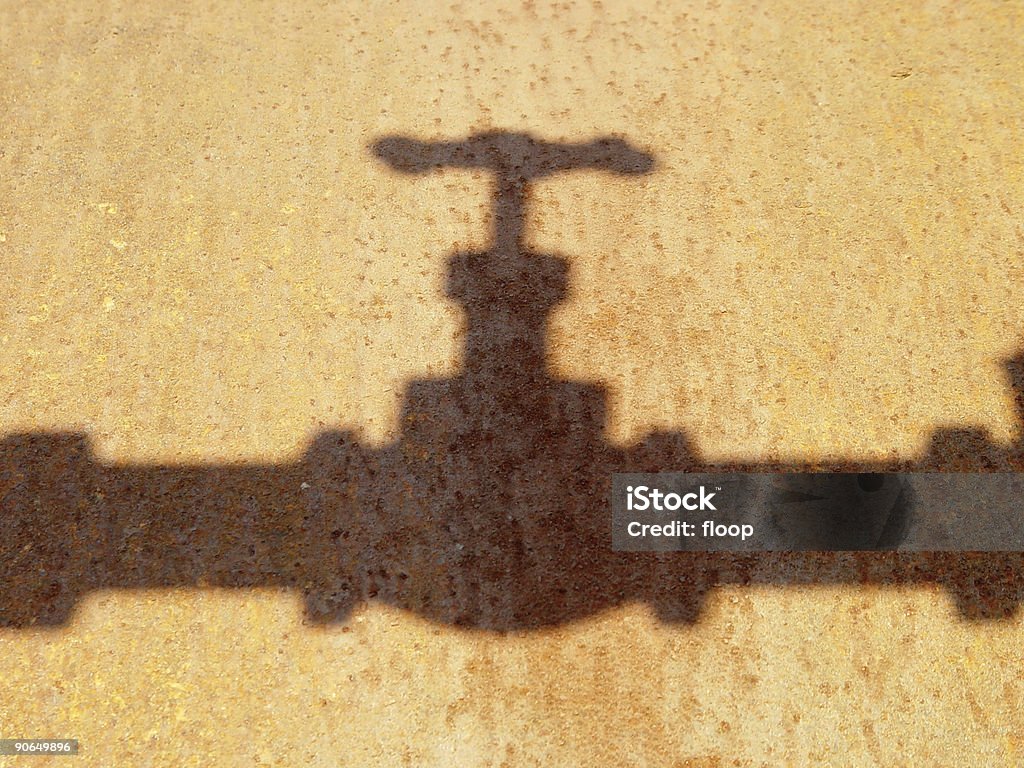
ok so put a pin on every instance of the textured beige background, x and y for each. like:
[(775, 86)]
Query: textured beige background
[(203, 263)]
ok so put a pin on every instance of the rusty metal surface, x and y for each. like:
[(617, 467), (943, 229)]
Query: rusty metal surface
[(300, 450)]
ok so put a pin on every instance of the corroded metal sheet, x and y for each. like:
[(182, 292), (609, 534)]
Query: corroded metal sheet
[(297, 423)]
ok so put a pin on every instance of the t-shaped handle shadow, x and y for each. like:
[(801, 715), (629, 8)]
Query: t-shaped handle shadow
[(515, 159), (507, 291)]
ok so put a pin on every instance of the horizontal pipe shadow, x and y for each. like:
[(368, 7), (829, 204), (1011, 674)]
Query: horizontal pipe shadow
[(492, 533), (488, 512)]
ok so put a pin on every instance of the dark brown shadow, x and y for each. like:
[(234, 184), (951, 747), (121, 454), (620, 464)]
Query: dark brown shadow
[(489, 512)]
